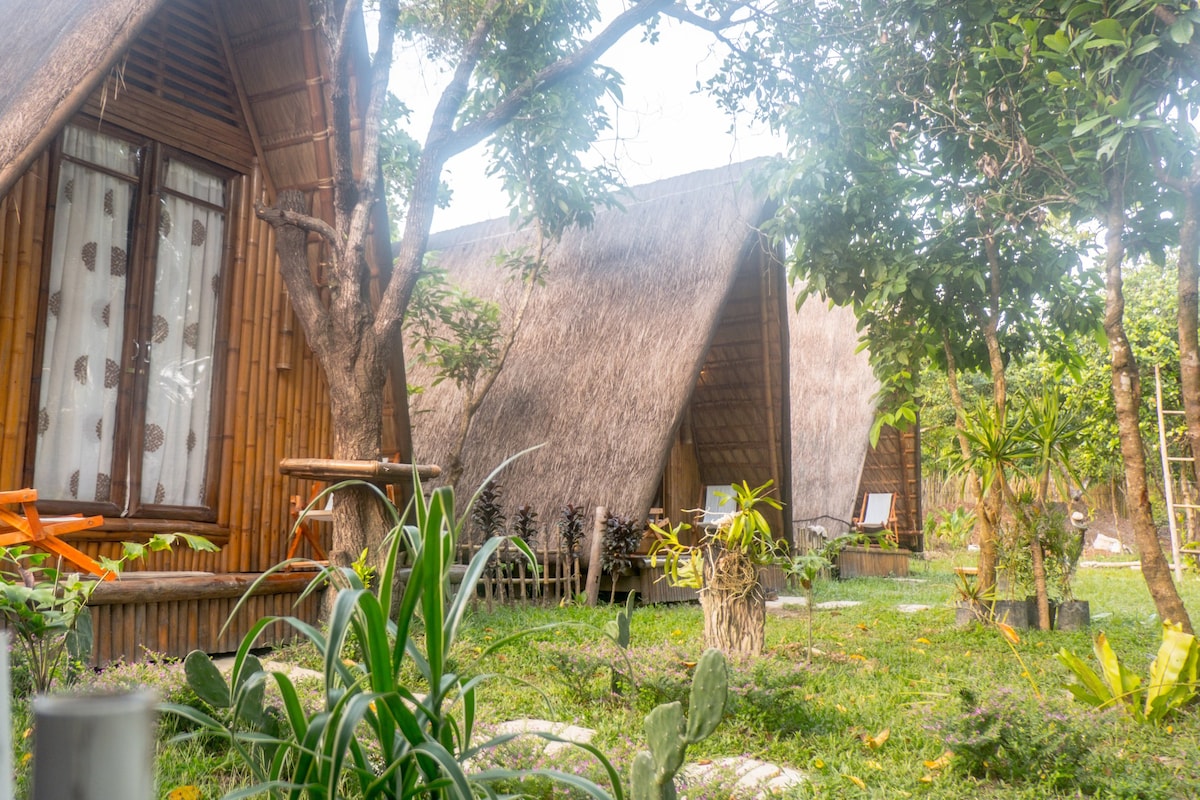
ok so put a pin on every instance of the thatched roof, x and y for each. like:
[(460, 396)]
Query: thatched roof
[(832, 412), (244, 71), (52, 55), (611, 347)]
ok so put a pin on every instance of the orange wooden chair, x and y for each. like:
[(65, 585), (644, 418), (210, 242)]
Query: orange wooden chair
[(29, 527), (302, 525)]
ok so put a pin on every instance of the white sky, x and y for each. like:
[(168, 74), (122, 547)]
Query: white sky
[(663, 129)]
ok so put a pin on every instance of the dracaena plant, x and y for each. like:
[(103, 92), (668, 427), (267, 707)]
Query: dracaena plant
[(378, 734)]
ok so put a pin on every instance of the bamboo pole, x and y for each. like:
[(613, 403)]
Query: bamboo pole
[(594, 569), (255, 413), (229, 500), (10, 367), (272, 481)]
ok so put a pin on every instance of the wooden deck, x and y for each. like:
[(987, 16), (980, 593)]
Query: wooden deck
[(142, 617)]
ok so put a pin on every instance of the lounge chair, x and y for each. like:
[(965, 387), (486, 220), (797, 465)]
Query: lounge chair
[(878, 515)]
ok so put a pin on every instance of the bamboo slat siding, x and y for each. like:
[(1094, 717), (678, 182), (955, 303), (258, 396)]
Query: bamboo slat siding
[(22, 237), (894, 465), (144, 627)]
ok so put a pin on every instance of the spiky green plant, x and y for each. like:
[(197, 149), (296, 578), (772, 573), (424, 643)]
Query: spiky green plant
[(376, 734)]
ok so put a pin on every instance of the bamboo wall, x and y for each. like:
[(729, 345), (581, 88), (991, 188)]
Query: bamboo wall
[(894, 465), (138, 619), (737, 415)]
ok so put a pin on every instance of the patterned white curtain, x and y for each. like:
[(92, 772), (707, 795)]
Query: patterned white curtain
[(179, 399), (85, 320)]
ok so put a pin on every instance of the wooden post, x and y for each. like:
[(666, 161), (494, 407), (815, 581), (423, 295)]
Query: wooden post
[(6, 751), (96, 747), (594, 569)]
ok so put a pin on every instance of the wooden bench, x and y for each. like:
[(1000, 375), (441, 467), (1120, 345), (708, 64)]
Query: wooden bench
[(29, 527)]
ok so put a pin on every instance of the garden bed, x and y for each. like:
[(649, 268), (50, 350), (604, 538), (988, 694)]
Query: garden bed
[(873, 562)]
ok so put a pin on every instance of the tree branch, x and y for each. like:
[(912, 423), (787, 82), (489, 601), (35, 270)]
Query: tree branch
[(1168, 18), (503, 112), (279, 216), (292, 226), (359, 222), (344, 188), (422, 198)]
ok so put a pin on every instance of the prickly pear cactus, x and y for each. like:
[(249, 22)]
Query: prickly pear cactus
[(652, 776), (210, 686)]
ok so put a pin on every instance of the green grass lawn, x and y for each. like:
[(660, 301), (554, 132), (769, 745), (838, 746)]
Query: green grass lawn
[(914, 676)]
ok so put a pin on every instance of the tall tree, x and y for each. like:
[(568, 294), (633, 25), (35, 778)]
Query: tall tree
[(1121, 76), (913, 196), (525, 77)]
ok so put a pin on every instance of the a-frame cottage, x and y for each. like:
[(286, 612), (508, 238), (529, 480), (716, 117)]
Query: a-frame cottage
[(153, 371), (664, 355)]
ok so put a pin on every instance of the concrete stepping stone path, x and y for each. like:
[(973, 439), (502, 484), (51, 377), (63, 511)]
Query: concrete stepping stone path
[(751, 778)]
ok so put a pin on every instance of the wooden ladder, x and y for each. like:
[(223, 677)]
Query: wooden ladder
[(1169, 478)]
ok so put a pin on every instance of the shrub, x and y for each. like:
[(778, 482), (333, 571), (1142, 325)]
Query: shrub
[(1007, 738)]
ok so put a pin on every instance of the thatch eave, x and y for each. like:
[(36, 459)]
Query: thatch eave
[(53, 55)]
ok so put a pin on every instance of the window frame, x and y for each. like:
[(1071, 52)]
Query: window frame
[(134, 384)]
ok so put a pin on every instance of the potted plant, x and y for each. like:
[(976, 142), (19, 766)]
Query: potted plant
[(1008, 599), (723, 566), (969, 603), (1064, 546)]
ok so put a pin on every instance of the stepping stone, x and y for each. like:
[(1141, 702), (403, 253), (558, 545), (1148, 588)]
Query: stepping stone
[(912, 608), (835, 604), (225, 665), (910, 580), (786, 600), (572, 733), (753, 778)]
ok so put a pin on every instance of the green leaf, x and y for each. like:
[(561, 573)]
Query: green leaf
[(206, 680), (1181, 32), (1109, 29), (1058, 42), (1172, 674), (1091, 689)]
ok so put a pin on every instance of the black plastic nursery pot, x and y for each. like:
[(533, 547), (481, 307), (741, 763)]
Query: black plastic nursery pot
[(1073, 615)]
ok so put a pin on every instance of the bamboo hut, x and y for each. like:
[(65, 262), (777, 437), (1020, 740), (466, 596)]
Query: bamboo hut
[(833, 409), (154, 370), (662, 356)]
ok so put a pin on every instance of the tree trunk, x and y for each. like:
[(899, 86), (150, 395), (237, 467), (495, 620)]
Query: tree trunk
[(734, 623), (1039, 582), (990, 529), (735, 617), (359, 517), (1127, 393), (984, 524)]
